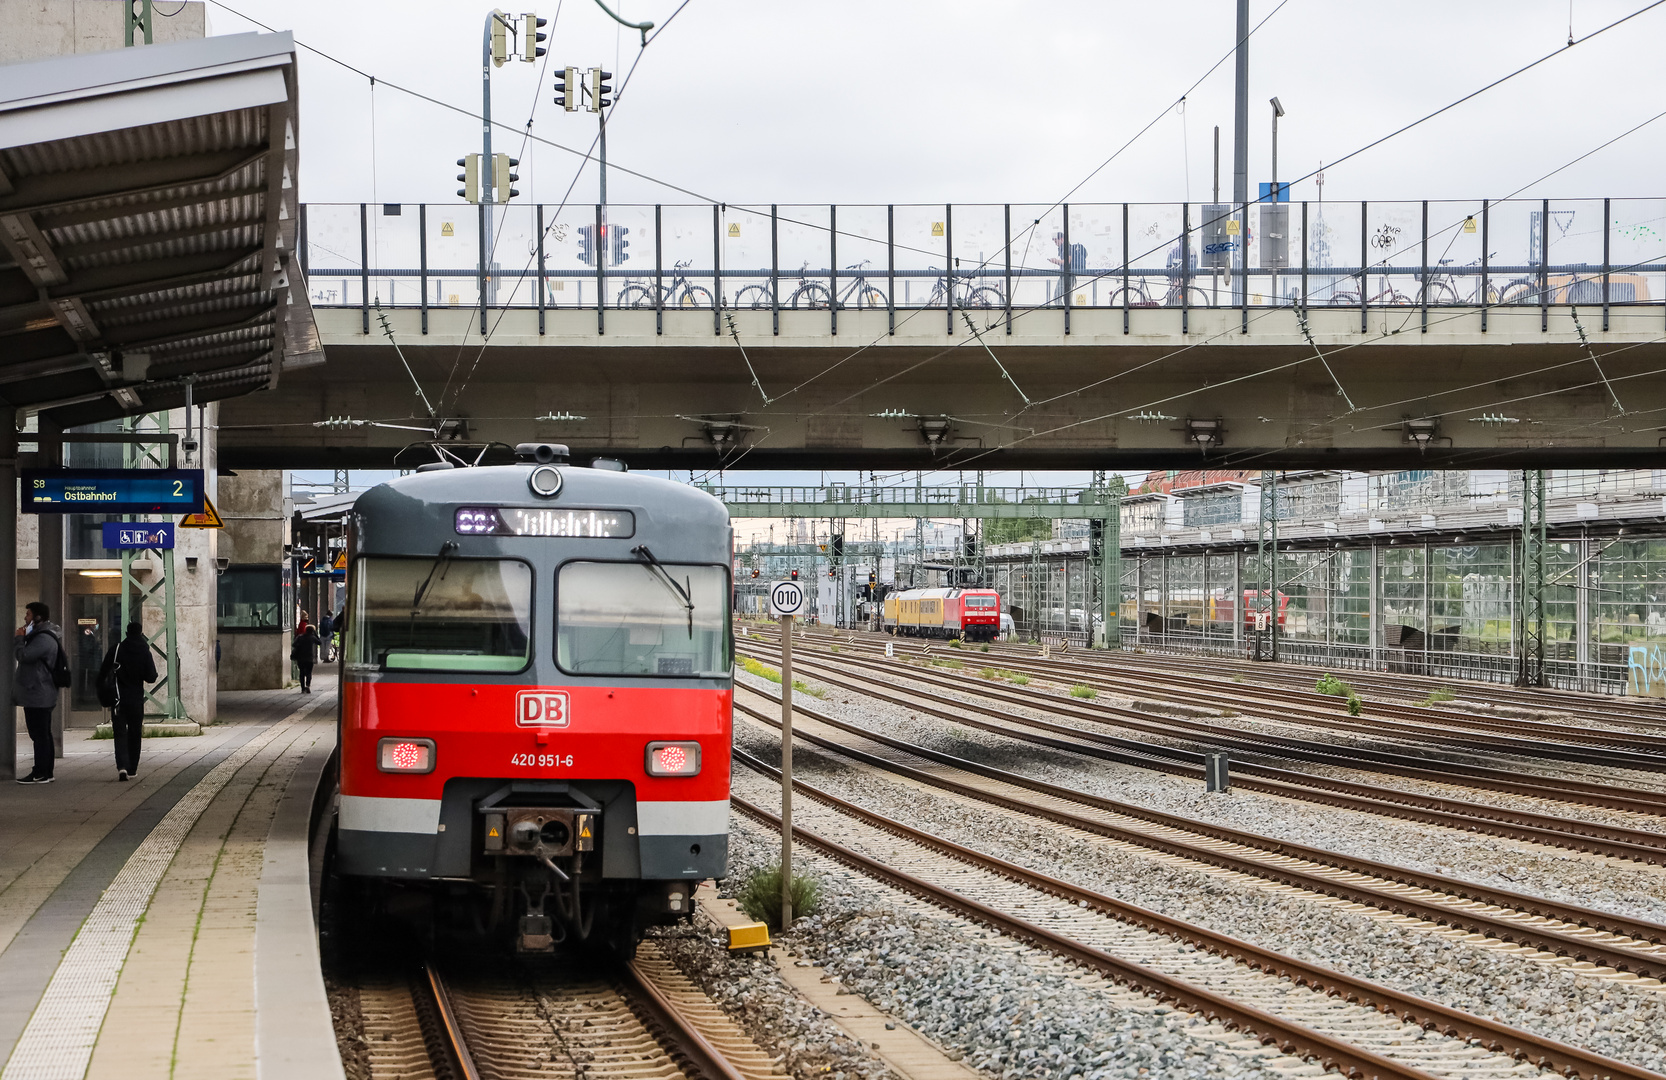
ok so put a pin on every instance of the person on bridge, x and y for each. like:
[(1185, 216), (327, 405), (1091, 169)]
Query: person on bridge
[(305, 654), (132, 664), (39, 648)]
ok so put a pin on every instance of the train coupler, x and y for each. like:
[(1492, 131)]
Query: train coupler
[(538, 932)]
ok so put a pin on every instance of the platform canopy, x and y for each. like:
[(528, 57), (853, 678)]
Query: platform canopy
[(147, 219)]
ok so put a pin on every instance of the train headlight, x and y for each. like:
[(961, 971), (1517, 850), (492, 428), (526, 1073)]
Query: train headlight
[(673, 759), (405, 755)]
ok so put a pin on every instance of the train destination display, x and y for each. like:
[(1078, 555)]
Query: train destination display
[(112, 491), (524, 521)]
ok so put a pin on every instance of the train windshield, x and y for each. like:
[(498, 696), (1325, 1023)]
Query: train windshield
[(441, 614), (627, 619), (981, 601)]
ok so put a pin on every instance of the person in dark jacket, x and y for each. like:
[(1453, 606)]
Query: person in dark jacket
[(326, 627), (305, 654), (37, 645), (135, 666)]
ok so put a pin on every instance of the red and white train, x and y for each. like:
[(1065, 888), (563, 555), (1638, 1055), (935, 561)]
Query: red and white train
[(536, 696)]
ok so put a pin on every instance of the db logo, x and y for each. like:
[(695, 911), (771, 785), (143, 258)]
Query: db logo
[(541, 708)]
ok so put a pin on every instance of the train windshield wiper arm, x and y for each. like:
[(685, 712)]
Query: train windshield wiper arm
[(422, 590), (681, 593)]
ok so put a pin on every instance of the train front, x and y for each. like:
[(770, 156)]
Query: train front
[(980, 614), (536, 698)]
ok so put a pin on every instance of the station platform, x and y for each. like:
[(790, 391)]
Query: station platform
[(164, 927)]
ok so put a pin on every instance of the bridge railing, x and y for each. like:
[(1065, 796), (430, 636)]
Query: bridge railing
[(1596, 253)]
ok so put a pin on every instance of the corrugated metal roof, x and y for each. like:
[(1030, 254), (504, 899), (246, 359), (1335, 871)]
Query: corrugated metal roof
[(143, 227)]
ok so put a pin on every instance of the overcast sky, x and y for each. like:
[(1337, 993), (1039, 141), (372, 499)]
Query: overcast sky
[(746, 101), (753, 102)]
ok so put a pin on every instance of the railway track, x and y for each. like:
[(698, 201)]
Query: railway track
[(1458, 814), (1305, 707), (638, 1020), (1229, 980), (1606, 708), (1582, 934), (839, 670)]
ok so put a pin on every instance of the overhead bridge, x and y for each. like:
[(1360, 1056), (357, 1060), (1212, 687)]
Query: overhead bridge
[(1359, 335)]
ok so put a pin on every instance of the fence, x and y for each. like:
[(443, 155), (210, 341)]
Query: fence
[(1599, 253)]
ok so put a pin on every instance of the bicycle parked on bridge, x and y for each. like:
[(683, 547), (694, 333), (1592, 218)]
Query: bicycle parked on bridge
[(966, 294), (680, 293), (813, 295)]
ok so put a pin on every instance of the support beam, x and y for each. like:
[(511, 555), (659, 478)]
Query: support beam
[(8, 588), (1530, 603), (51, 561)]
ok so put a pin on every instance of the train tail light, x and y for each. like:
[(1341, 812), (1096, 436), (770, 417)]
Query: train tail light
[(673, 759), (405, 755)]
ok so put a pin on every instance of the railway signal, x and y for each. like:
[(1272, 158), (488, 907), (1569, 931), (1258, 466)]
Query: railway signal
[(616, 238), (530, 37), (587, 245), (502, 174), (601, 89), (469, 177), (569, 91)]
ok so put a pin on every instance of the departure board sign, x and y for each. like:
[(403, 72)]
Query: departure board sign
[(538, 521), (112, 491)]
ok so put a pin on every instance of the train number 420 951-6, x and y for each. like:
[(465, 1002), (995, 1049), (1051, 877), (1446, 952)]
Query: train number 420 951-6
[(543, 761)]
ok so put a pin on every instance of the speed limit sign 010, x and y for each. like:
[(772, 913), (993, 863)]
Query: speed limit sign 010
[(786, 598)]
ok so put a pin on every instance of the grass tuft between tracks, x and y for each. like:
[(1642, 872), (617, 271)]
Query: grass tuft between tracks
[(1330, 684), (1437, 695), (1083, 690), (761, 898), (764, 671)]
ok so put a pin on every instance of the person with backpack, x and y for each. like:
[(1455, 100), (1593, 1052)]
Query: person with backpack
[(42, 670), (121, 688), (305, 654)]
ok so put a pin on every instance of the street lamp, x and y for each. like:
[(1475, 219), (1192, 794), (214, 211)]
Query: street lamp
[(1278, 111), (1278, 219)]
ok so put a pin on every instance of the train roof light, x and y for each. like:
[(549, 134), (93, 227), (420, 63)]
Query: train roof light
[(542, 453)]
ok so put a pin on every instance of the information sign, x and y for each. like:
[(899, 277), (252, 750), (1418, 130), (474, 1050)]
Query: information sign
[(123, 535), (786, 598), (112, 491)]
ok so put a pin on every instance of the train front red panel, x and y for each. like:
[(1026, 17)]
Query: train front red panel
[(481, 730)]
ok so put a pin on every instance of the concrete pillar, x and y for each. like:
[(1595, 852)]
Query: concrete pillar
[(51, 554), (8, 584)]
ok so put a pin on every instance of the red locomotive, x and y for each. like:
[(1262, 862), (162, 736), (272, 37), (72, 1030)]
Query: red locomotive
[(968, 614), (536, 697)]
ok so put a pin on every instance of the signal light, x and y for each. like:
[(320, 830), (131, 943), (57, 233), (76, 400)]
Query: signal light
[(833, 573), (500, 40), (568, 90), (530, 37), (503, 176), (754, 573), (405, 755), (600, 88), (470, 177), (616, 239), (673, 759), (795, 575)]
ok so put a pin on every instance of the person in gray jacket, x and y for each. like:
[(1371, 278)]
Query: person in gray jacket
[(36, 645)]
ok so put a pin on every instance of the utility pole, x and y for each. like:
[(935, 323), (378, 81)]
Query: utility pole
[(1240, 150)]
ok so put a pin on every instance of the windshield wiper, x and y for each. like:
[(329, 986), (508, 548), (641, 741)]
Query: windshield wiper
[(422, 590), (681, 593)]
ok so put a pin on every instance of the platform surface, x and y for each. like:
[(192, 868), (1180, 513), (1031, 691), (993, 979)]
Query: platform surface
[(162, 927)]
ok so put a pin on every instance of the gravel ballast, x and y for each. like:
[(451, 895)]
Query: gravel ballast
[(1610, 1017), (1617, 885), (1009, 1010)]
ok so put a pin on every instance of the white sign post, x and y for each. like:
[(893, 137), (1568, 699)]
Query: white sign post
[(786, 599)]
